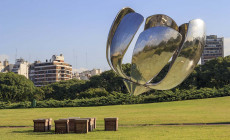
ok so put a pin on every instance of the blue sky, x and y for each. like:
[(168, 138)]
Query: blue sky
[(78, 29)]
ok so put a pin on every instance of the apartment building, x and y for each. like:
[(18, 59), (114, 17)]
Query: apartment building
[(32, 70), (214, 48), (21, 67), (54, 70)]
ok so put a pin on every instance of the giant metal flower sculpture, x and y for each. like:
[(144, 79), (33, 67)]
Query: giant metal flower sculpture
[(161, 42)]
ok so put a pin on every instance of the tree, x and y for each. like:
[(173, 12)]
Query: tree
[(64, 89), (14, 88), (108, 80), (214, 73)]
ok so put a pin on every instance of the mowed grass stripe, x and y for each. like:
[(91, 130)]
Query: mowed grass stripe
[(126, 133), (213, 110)]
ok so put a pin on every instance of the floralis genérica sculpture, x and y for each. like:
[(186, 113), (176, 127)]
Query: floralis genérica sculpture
[(161, 42)]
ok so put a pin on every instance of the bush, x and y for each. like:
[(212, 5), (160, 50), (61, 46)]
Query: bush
[(92, 93), (116, 98)]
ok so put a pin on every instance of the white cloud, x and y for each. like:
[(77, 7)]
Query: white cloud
[(226, 46), (4, 57)]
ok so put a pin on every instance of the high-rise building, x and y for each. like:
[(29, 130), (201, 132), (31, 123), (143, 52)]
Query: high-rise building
[(43, 73), (32, 71), (21, 67), (214, 48)]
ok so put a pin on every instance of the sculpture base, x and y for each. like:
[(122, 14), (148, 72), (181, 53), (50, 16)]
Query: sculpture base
[(135, 88)]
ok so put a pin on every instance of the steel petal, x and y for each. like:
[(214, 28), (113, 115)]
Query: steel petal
[(153, 50), (160, 20), (134, 88), (122, 31), (113, 29), (187, 58)]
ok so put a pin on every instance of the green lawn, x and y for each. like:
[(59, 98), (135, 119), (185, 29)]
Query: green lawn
[(135, 121)]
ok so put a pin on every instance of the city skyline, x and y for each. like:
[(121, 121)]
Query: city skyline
[(35, 30)]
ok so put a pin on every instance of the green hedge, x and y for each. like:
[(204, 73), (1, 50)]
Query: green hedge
[(116, 98)]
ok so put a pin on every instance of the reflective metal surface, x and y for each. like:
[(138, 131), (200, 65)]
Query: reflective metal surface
[(153, 50), (183, 31), (161, 41), (113, 29), (121, 34), (187, 58), (160, 20), (135, 88)]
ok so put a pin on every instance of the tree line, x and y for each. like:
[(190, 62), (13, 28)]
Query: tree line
[(214, 74)]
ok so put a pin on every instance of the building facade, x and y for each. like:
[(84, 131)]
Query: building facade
[(32, 71), (21, 67), (85, 75), (214, 48), (5, 66), (2, 67), (54, 70)]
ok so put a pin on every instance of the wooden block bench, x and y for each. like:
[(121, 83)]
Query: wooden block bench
[(94, 123), (62, 126), (111, 124), (72, 123), (81, 125), (90, 123), (41, 125), (49, 124)]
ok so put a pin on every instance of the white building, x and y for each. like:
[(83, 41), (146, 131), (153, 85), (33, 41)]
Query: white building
[(85, 75), (76, 75), (5, 66), (21, 67), (214, 48), (2, 67)]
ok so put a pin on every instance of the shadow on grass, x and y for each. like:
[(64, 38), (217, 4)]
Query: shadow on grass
[(31, 132), (214, 123), (174, 124)]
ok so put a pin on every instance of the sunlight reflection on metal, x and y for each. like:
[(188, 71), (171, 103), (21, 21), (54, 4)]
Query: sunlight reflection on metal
[(161, 41), (187, 58), (154, 48), (160, 20), (113, 28), (135, 88), (123, 34)]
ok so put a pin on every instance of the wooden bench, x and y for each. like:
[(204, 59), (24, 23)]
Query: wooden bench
[(81, 125), (49, 124), (111, 124), (95, 123), (62, 126), (90, 123), (41, 125), (72, 123)]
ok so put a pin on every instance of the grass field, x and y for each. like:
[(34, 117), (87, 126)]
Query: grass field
[(141, 121)]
